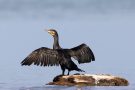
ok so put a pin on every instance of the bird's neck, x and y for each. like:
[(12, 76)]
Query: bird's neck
[(56, 43)]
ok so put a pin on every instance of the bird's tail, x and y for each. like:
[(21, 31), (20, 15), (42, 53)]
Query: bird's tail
[(79, 70)]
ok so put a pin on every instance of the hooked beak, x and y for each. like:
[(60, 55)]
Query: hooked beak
[(50, 32)]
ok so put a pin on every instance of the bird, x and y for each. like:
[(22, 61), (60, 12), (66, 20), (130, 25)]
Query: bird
[(58, 56)]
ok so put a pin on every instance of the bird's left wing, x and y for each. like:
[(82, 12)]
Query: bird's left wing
[(82, 53), (43, 57)]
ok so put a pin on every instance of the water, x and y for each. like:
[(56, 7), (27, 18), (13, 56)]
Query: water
[(106, 26)]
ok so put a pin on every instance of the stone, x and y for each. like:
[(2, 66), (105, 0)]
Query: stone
[(89, 80)]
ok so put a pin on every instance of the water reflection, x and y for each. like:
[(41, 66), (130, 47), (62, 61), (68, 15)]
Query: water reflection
[(47, 88), (59, 88), (77, 88)]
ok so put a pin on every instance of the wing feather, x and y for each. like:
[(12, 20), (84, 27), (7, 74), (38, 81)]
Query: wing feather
[(43, 57), (82, 53)]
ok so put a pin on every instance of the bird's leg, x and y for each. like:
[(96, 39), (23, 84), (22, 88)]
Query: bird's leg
[(68, 72), (63, 70)]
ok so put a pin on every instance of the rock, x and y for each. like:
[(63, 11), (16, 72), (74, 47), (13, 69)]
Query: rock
[(89, 80)]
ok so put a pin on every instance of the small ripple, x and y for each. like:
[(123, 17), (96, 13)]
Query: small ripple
[(46, 88)]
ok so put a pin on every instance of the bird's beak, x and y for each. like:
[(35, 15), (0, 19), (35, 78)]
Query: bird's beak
[(48, 31)]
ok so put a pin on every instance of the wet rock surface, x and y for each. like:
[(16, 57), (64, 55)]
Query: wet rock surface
[(89, 80)]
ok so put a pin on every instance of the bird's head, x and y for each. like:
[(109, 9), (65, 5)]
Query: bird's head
[(52, 32)]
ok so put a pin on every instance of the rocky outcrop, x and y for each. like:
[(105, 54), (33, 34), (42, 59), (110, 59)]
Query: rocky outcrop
[(89, 80)]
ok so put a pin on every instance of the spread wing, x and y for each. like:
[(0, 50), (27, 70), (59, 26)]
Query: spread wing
[(82, 53), (43, 57)]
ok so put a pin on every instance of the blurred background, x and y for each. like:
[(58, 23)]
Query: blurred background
[(107, 26)]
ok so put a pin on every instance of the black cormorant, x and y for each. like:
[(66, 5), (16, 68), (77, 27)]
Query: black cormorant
[(58, 56)]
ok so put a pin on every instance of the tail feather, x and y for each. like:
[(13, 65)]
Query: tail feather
[(79, 70)]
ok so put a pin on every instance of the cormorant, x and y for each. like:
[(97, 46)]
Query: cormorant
[(58, 56)]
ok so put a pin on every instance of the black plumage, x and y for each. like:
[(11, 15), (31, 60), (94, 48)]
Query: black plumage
[(57, 56)]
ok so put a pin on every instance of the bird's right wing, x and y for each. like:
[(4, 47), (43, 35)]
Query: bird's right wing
[(43, 57), (82, 53)]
